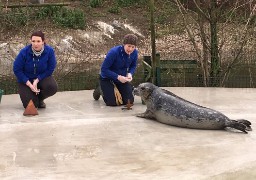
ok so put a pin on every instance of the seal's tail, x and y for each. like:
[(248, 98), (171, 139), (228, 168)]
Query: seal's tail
[(241, 124)]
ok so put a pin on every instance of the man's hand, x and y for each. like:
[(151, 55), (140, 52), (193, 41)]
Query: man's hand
[(129, 77), (31, 86), (122, 79), (35, 82)]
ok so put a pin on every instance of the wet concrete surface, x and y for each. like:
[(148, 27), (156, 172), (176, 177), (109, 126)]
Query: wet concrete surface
[(76, 137)]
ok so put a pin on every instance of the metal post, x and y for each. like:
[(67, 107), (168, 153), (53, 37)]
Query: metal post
[(153, 43), (158, 70)]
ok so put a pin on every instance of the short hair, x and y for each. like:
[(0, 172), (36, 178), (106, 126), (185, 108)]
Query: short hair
[(39, 34), (130, 39)]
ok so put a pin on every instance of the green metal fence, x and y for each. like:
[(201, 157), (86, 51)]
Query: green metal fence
[(183, 73)]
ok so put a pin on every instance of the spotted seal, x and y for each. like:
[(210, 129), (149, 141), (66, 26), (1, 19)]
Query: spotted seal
[(168, 108)]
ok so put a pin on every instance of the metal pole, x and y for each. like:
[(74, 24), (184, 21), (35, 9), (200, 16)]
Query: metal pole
[(153, 43)]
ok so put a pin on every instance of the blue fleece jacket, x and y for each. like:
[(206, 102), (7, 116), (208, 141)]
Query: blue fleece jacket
[(27, 66), (118, 62)]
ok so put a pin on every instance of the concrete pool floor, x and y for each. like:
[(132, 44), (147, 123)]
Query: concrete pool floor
[(76, 137)]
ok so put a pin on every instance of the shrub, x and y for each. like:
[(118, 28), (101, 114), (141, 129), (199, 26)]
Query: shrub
[(48, 11), (114, 9), (125, 3), (16, 17), (70, 18), (95, 3)]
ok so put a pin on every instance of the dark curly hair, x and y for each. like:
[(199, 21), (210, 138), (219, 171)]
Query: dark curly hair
[(130, 39)]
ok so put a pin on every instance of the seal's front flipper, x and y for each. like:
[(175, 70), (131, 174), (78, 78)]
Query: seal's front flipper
[(147, 114), (237, 125)]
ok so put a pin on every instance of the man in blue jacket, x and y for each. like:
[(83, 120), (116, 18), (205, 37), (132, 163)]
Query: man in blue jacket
[(117, 71), (33, 68)]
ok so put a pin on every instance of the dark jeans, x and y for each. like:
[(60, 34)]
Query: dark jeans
[(107, 88), (47, 86)]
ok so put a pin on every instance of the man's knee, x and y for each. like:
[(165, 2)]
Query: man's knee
[(53, 88), (110, 102)]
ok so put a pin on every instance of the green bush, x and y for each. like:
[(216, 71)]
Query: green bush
[(114, 9), (70, 18), (48, 11), (126, 3), (16, 17), (95, 3)]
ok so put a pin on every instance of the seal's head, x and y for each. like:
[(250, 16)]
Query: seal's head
[(144, 90)]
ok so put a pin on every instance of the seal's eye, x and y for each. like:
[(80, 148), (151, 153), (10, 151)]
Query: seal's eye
[(142, 88)]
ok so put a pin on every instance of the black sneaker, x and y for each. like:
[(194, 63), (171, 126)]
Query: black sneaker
[(97, 93), (41, 104)]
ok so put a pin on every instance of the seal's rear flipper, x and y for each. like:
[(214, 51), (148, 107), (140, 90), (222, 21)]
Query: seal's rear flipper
[(237, 125), (245, 122)]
